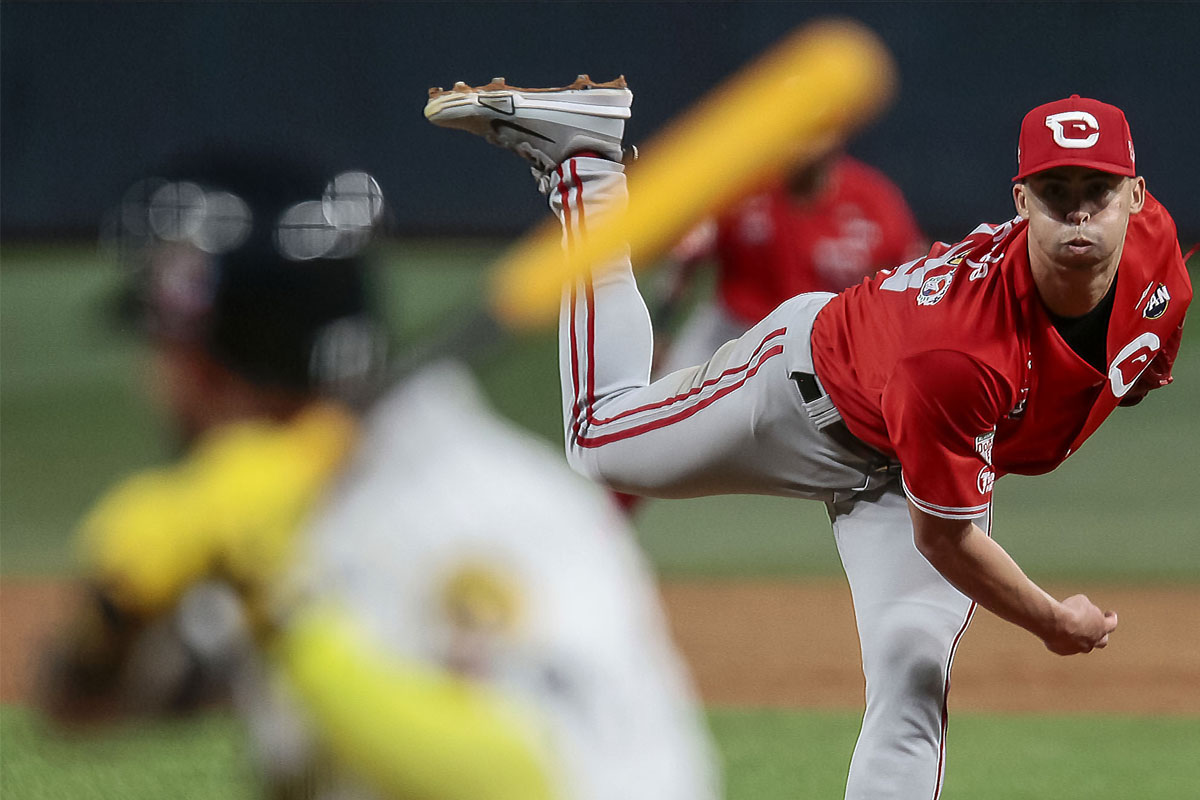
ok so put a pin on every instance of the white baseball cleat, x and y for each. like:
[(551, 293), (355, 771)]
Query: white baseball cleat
[(543, 126)]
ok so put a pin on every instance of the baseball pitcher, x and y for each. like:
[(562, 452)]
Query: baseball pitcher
[(897, 403)]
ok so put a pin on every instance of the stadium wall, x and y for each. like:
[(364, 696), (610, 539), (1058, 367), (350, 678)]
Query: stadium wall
[(92, 94)]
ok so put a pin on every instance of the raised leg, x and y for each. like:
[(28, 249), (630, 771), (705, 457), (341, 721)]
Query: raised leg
[(734, 424)]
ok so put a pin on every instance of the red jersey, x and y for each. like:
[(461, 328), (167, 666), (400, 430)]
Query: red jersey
[(951, 364), (771, 246)]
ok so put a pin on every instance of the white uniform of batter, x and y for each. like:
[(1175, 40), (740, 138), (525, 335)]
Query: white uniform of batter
[(737, 424), (441, 491)]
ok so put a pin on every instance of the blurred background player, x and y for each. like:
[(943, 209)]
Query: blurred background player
[(404, 596), (821, 227)]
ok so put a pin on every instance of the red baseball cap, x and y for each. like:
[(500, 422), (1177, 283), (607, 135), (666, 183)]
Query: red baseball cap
[(1077, 132)]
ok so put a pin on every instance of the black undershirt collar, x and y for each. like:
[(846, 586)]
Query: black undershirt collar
[(1087, 335)]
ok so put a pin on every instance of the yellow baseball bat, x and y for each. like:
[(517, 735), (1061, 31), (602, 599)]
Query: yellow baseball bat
[(814, 87)]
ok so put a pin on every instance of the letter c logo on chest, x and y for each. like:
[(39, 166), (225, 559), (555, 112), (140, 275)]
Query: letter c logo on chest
[(1129, 364), (1075, 130)]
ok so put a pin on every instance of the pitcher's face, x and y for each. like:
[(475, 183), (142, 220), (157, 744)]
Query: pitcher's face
[(1078, 215)]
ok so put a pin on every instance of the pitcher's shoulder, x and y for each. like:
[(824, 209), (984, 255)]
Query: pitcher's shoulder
[(1152, 247)]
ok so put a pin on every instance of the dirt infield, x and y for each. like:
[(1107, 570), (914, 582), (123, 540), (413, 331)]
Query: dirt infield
[(794, 645)]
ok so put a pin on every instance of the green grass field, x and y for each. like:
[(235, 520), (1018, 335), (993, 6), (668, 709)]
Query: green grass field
[(72, 417), (767, 755)]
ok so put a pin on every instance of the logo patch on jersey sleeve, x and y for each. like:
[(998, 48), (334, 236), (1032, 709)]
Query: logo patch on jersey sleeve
[(934, 289), (984, 480), (983, 446), (1156, 306)]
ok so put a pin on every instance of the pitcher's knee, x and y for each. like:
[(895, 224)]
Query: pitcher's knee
[(581, 461), (905, 666)]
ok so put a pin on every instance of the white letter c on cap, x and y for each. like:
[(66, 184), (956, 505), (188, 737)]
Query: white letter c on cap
[(1083, 122)]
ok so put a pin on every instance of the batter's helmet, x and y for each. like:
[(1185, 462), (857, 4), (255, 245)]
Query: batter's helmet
[(259, 259)]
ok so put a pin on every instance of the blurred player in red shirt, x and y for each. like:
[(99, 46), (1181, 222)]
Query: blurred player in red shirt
[(821, 228)]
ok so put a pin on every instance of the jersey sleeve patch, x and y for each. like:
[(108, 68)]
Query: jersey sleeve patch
[(479, 597)]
